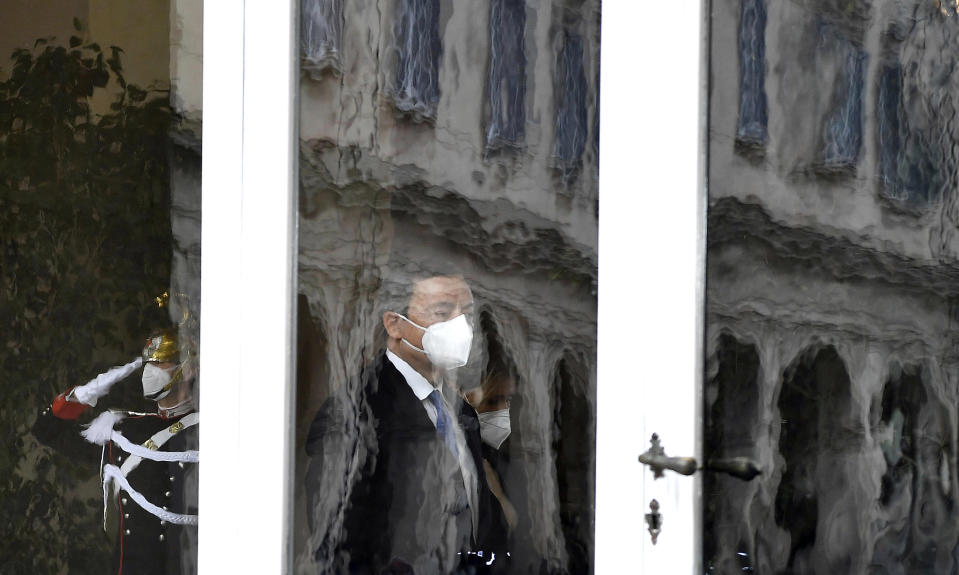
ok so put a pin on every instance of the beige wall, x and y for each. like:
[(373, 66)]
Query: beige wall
[(142, 30), (161, 39), (24, 21)]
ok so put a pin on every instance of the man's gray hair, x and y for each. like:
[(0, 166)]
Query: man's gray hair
[(396, 290)]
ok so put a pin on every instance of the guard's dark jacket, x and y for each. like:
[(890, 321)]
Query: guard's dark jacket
[(150, 546), (406, 510)]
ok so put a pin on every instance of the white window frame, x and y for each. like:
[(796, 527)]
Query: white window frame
[(651, 262), (247, 285), (649, 284)]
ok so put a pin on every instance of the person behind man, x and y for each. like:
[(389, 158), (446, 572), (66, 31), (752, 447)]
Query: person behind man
[(421, 495), (492, 403)]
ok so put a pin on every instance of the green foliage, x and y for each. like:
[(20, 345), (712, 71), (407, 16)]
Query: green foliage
[(85, 244)]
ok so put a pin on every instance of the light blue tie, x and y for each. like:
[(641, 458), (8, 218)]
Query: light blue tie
[(444, 425)]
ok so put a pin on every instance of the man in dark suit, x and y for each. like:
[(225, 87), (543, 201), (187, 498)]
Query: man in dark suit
[(419, 501)]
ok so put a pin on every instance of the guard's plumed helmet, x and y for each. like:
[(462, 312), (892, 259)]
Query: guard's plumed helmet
[(162, 347)]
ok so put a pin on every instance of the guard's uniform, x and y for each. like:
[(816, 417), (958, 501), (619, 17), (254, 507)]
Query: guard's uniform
[(150, 461), (148, 544)]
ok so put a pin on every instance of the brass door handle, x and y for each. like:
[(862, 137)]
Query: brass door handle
[(657, 460)]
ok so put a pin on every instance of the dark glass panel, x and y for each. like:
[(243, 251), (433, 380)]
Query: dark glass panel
[(830, 287), (100, 126), (732, 421)]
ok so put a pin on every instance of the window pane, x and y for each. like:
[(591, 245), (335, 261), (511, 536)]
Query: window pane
[(831, 291), (100, 127), (446, 337)]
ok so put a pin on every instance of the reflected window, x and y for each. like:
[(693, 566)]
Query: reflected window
[(320, 41), (751, 131), (419, 49), (908, 161), (506, 89), (889, 129), (842, 133), (571, 89)]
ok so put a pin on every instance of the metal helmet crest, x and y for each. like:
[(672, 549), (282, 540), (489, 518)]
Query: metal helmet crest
[(161, 347)]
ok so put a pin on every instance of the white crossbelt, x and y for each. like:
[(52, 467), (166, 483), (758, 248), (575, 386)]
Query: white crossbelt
[(149, 450), (112, 472)]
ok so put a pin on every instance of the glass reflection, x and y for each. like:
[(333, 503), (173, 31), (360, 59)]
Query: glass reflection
[(100, 114), (446, 312), (831, 282)]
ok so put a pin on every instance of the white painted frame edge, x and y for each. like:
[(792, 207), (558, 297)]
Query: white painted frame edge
[(650, 280), (247, 285), (702, 204)]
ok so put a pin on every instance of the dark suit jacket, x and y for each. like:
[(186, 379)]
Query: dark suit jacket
[(406, 508)]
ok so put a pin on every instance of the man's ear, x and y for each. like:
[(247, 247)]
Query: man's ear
[(392, 321)]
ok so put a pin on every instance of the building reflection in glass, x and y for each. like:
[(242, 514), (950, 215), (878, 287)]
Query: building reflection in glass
[(831, 286), (398, 185)]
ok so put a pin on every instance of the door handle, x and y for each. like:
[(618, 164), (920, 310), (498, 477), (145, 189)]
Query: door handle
[(739, 467), (657, 460)]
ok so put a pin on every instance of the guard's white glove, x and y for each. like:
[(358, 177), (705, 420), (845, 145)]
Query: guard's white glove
[(90, 392)]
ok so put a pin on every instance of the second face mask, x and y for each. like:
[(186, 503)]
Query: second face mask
[(494, 427)]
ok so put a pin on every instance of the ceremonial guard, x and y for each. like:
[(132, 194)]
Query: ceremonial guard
[(150, 460)]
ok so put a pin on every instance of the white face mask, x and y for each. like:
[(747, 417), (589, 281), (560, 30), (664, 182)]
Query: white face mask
[(447, 343), (157, 381), (494, 427)]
